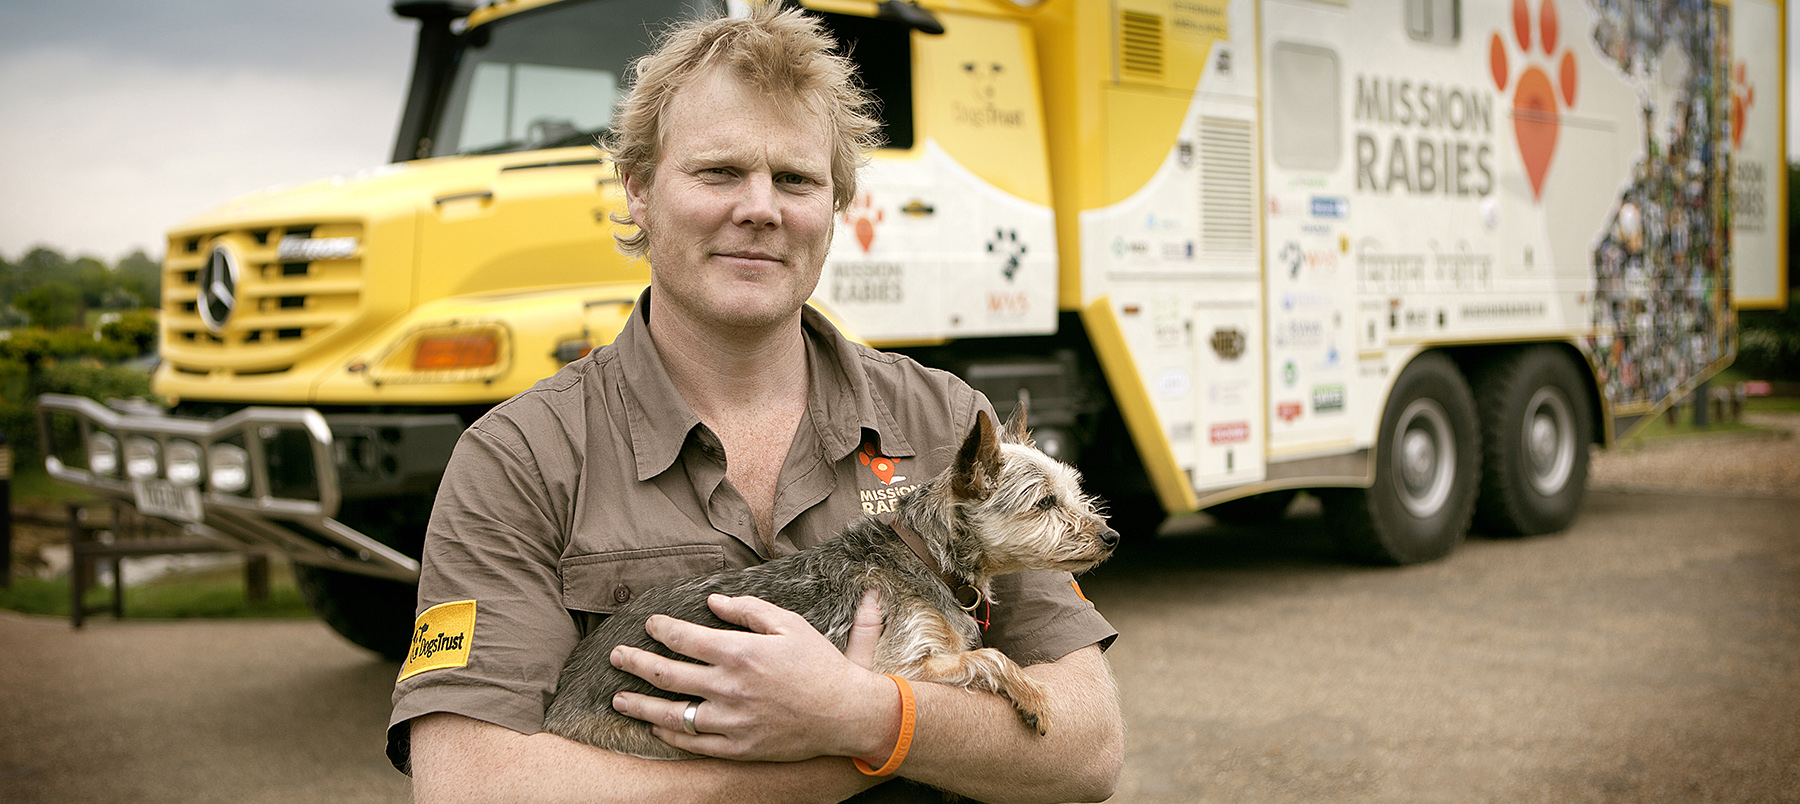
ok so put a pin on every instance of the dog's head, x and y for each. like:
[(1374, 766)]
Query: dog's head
[(1019, 509)]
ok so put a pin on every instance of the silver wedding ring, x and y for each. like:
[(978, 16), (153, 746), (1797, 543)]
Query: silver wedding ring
[(687, 718)]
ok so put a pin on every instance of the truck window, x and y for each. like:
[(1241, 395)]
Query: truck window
[(882, 51), (547, 77), (1304, 107)]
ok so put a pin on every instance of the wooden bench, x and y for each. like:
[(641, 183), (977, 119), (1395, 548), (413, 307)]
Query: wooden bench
[(131, 535)]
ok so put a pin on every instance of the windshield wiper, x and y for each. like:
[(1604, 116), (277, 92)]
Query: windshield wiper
[(590, 137)]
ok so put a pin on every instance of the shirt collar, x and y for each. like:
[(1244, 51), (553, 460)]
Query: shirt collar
[(844, 408)]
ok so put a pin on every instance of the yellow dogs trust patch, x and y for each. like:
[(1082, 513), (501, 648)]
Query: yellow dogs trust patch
[(441, 638)]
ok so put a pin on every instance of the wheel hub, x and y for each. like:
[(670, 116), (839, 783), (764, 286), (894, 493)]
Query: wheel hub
[(1425, 462), (1549, 436)]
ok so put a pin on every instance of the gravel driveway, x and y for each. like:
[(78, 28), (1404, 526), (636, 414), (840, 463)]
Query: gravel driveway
[(1760, 464)]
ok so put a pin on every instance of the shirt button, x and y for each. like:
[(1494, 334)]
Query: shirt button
[(622, 594)]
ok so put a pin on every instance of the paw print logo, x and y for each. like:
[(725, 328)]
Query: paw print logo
[(1005, 243), (1743, 96), (1537, 117), (861, 217), (981, 78), (1292, 257), (882, 467)]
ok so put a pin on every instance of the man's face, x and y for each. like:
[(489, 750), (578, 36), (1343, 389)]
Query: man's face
[(739, 211)]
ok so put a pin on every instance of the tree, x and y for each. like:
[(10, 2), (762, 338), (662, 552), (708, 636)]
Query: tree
[(141, 277), (52, 306)]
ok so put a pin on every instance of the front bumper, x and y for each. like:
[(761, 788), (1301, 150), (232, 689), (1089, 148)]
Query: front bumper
[(295, 466)]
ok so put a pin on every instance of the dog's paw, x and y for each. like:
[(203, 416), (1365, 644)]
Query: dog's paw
[(1039, 723)]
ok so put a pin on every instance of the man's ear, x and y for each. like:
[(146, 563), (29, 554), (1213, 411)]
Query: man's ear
[(637, 198), (978, 461)]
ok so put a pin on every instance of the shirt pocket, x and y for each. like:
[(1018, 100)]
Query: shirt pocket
[(600, 583)]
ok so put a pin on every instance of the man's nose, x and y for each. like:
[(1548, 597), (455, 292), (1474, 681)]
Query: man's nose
[(757, 202)]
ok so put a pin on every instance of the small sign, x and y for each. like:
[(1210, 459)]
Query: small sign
[(1230, 433), (167, 500), (1326, 206)]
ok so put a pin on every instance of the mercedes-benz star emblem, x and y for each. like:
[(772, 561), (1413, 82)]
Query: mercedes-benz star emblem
[(218, 287)]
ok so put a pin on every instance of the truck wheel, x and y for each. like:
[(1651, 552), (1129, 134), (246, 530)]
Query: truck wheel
[(375, 613), (1427, 467), (1536, 426), (1258, 509)]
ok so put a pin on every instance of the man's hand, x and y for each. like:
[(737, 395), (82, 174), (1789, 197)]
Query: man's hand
[(781, 692)]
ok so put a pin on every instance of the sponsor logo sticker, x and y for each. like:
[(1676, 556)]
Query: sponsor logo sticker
[(1229, 433), (1228, 343), (1289, 411), (441, 638), (1328, 398), (1326, 206)]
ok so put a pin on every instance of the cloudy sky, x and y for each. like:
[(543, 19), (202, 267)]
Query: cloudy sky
[(119, 118)]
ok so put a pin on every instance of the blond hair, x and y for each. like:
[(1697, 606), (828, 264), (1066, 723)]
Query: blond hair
[(781, 52)]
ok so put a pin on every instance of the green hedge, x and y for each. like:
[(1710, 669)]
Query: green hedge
[(37, 361), (1769, 344)]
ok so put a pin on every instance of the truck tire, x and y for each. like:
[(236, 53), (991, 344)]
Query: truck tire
[(1259, 509), (375, 613), (1536, 426), (1427, 470)]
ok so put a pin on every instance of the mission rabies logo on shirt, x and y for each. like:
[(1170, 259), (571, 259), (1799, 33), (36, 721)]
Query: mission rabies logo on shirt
[(886, 471)]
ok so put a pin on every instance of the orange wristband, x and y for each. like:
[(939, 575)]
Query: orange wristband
[(908, 715)]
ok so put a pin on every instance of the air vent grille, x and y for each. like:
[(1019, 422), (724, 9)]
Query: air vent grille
[(1227, 187), (1140, 45)]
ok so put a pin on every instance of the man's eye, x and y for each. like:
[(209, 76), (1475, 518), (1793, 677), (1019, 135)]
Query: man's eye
[(1046, 502)]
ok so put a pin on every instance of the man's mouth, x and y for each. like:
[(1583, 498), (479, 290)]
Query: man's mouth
[(750, 255)]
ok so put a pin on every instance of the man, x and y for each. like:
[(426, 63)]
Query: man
[(723, 427)]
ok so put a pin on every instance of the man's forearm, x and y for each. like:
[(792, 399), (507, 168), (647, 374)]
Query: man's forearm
[(976, 746), (457, 759)]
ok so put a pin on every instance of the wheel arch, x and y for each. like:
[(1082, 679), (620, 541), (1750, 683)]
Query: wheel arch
[(1471, 360)]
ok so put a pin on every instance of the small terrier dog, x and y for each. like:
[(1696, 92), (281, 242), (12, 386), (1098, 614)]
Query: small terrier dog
[(1002, 506)]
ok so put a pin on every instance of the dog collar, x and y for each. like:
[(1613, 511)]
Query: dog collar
[(967, 596)]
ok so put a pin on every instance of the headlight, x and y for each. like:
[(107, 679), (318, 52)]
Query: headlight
[(462, 350), (477, 351), (141, 457), (103, 454), (183, 463), (230, 468)]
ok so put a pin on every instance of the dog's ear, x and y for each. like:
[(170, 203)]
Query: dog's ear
[(1015, 430), (978, 462)]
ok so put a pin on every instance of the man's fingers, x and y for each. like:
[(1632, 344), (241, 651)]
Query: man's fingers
[(756, 614), (662, 672), (865, 632)]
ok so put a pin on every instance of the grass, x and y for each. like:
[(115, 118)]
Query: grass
[(211, 593), (1660, 427), (32, 487)]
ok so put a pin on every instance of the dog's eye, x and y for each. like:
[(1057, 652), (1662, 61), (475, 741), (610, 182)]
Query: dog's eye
[(1046, 502)]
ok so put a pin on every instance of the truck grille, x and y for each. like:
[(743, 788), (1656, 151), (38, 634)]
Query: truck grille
[(278, 304)]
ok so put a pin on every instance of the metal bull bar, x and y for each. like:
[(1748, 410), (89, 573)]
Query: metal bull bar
[(259, 515)]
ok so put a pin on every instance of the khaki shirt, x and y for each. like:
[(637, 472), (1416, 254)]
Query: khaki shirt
[(600, 483)]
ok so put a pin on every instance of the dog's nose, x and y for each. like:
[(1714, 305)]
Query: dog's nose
[(1109, 537)]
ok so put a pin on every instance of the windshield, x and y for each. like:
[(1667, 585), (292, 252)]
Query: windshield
[(549, 77)]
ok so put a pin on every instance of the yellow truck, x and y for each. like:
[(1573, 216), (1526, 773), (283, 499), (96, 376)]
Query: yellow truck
[(1414, 255)]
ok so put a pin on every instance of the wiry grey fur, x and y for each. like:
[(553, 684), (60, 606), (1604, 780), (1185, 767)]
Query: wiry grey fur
[(1002, 507)]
